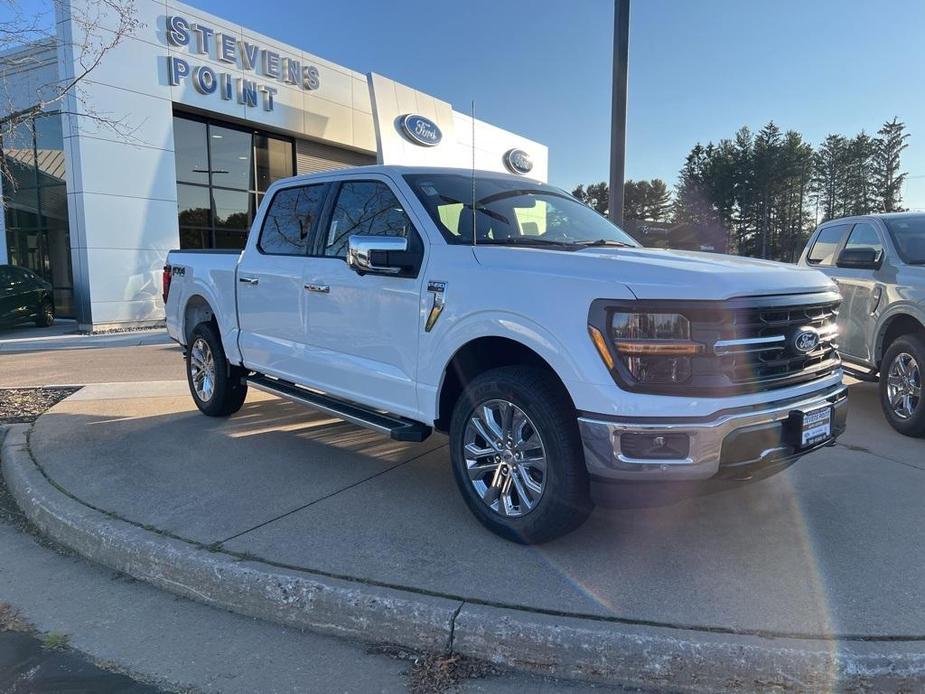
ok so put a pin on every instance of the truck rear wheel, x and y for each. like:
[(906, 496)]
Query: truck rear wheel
[(901, 385), (215, 385), (517, 455)]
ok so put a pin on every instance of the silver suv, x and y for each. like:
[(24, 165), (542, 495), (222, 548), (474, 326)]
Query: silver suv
[(878, 262)]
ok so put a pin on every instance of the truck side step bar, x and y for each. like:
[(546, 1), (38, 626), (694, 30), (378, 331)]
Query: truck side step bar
[(398, 428), (862, 375)]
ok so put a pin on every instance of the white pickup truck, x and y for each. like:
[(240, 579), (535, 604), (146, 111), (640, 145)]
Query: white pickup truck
[(552, 348)]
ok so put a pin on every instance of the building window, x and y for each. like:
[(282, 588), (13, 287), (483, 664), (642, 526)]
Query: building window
[(222, 174), (36, 205)]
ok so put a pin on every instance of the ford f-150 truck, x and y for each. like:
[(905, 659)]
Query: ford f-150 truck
[(551, 347)]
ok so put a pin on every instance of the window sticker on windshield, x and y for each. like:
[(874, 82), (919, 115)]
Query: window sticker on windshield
[(429, 190)]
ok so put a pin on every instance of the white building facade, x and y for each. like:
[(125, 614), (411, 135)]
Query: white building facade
[(208, 114)]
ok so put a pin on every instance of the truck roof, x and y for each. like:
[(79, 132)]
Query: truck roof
[(875, 215), (403, 169)]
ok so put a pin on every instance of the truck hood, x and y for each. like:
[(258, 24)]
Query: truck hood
[(652, 273)]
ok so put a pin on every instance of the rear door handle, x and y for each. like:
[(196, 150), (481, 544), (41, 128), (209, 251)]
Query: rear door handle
[(318, 288), (249, 280)]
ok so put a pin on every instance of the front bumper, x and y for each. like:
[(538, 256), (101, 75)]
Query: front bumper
[(731, 440)]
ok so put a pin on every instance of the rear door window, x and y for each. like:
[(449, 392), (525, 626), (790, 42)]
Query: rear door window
[(291, 219), (826, 244)]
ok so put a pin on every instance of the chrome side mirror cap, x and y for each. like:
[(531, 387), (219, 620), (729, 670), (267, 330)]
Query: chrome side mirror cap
[(371, 254)]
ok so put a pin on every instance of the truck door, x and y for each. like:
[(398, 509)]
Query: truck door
[(363, 330), (859, 287), (272, 302)]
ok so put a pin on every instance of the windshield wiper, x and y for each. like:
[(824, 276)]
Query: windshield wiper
[(603, 242), (523, 241)]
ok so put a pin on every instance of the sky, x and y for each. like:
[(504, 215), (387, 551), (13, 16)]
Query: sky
[(699, 69)]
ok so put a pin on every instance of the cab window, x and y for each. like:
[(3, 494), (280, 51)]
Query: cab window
[(292, 216), (863, 235), (826, 244), (365, 208)]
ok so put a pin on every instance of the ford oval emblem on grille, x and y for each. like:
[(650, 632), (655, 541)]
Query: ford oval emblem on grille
[(806, 341)]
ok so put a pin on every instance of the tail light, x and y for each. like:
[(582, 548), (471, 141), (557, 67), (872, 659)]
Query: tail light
[(165, 282)]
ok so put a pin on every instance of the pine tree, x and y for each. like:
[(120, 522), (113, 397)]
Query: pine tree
[(859, 175), (888, 179), (829, 176)]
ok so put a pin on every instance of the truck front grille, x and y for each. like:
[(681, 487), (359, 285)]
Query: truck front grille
[(765, 348)]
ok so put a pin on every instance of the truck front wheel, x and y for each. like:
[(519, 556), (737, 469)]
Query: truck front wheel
[(517, 455), (215, 385), (901, 385)]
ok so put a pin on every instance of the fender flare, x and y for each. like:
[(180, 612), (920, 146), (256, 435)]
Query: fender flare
[(500, 324), (894, 312)]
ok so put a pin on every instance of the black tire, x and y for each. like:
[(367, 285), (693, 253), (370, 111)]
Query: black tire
[(228, 391), (565, 500), (914, 346), (45, 316)]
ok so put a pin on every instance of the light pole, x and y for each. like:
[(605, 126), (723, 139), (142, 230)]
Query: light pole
[(621, 40)]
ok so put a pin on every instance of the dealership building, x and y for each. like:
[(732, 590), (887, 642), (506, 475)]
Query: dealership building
[(172, 140)]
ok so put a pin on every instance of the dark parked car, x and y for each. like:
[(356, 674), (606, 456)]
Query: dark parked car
[(25, 296)]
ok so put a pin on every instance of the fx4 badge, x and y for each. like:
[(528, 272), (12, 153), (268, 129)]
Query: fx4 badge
[(438, 289)]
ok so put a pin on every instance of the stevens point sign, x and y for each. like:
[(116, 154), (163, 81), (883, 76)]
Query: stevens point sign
[(225, 48)]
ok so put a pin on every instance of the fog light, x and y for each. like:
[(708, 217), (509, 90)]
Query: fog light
[(655, 446)]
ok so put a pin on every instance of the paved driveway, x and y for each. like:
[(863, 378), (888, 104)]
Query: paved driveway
[(832, 546)]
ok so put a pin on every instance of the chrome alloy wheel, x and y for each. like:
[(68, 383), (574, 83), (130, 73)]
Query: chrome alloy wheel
[(904, 385), (505, 458), (202, 369)]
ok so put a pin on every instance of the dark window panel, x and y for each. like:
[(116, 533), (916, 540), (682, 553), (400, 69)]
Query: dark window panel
[(274, 160), (233, 209), (49, 143), (231, 154), (194, 238), (53, 206), (193, 206), (190, 150), (230, 239)]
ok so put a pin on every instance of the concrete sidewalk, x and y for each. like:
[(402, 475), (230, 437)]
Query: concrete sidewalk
[(64, 335), (302, 519)]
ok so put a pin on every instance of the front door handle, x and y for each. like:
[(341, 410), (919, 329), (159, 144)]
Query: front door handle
[(318, 288), (249, 280)]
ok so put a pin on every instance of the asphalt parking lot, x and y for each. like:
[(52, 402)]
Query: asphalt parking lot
[(826, 550)]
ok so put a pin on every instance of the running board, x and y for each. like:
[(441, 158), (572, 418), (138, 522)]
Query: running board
[(869, 376), (398, 428)]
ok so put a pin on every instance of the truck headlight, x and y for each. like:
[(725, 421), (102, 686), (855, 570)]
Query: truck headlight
[(656, 348)]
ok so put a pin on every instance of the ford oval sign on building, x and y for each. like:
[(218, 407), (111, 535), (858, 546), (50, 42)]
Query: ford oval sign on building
[(421, 130), (517, 161)]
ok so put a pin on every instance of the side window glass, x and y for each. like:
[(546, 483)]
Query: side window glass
[(823, 250), (289, 222), (864, 236), (365, 208)]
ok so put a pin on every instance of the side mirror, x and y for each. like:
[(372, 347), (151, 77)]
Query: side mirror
[(863, 258), (381, 255)]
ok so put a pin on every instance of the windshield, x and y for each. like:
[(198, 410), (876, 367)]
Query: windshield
[(511, 212), (909, 237)]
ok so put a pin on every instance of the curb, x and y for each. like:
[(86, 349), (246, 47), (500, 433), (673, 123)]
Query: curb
[(570, 647)]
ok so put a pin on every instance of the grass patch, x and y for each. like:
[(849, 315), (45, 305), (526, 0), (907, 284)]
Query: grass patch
[(55, 641)]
